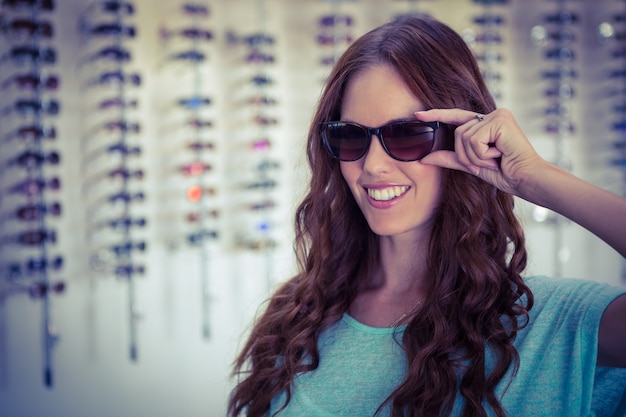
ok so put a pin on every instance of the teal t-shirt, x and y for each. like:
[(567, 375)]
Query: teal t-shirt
[(361, 365)]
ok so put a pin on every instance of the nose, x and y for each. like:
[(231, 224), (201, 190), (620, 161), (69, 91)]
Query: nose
[(376, 159)]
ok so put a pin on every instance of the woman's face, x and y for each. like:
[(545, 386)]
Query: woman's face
[(396, 198)]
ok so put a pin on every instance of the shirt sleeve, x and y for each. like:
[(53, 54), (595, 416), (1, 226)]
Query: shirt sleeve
[(559, 347)]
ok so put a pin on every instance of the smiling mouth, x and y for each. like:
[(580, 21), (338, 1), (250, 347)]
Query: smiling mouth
[(386, 194)]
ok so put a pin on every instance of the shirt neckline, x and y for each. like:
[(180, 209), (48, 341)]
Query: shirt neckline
[(364, 328)]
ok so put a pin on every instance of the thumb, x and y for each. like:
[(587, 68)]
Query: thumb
[(447, 159)]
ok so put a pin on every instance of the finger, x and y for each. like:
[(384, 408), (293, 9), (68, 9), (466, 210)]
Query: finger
[(449, 116), (460, 148), (478, 147), (448, 159), (480, 156)]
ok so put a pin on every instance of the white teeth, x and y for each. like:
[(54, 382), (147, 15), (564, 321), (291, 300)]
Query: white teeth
[(386, 194)]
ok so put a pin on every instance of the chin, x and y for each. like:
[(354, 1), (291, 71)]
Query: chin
[(388, 229)]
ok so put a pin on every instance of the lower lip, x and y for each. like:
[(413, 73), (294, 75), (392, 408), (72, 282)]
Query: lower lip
[(384, 204)]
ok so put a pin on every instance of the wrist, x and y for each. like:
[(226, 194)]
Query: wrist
[(537, 184)]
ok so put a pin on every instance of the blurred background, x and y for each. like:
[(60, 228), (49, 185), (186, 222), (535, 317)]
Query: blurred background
[(151, 157)]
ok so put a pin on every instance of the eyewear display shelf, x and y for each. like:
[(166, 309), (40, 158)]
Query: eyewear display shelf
[(28, 202)]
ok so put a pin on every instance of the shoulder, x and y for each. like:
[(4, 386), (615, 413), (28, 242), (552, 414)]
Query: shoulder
[(558, 350), (548, 290), (569, 303)]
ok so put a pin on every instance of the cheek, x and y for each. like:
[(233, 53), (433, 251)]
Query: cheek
[(350, 172), (434, 182), (439, 187)]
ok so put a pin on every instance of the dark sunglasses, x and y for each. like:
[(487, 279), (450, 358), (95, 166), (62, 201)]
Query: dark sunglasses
[(122, 126), (42, 289), (25, 106), (28, 54), (125, 196), (117, 77), (334, 20), (254, 40), (258, 57), (264, 184), (38, 211), (19, 28), (403, 141), (109, 29), (195, 9), (33, 133), (122, 223), (43, 264), (115, 6), (203, 235), (32, 159), (117, 102), (111, 6), (189, 33), (35, 237), (560, 54), (195, 216), (28, 5), (32, 81), (16, 270), (33, 186), (121, 173), (128, 247), (194, 102), (200, 146), (191, 56), (488, 19), (120, 148), (112, 53), (564, 17), (125, 271)]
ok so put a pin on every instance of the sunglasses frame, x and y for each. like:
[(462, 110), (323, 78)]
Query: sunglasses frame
[(378, 132)]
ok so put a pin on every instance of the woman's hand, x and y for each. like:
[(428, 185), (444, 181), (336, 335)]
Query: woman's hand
[(491, 146), (496, 150)]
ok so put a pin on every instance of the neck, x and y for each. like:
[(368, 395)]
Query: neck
[(402, 264), (395, 287)]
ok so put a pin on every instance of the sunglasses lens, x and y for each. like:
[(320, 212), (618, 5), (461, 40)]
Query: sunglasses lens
[(346, 142), (405, 141), (409, 141)]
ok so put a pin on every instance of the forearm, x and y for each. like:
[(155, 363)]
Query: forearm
[(597, 210)]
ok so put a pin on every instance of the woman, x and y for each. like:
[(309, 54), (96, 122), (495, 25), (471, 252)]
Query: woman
[(410, 299)]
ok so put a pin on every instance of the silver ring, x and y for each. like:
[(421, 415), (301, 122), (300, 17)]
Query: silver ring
[(480, 117)]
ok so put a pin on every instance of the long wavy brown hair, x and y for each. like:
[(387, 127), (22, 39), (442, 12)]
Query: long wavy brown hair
[(476, 253)]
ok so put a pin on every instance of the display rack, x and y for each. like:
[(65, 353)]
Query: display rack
[(486, 39), (258, 175), (28, 87), (334, 34), (193, 37), (110, 150), (556, 38)]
